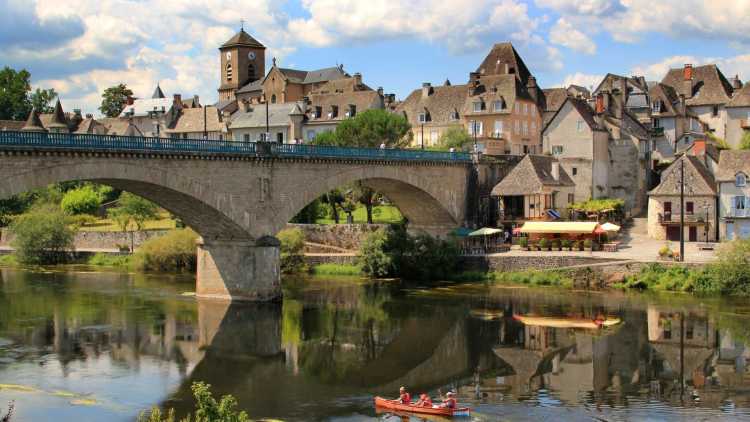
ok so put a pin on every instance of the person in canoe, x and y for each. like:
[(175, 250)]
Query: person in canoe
[(424, 401), (404, 396), (449, 401)]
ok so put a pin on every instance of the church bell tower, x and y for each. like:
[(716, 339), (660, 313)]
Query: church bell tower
[(243, 60)]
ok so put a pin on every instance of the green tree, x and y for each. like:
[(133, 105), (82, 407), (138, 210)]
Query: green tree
[(138, 209), (309, 214), (369, 129), (292, 250), (334, 198), (42, 236), (367, 197), (83, 200), (14, 89), (114, 99), (42, 100), (455, 137)]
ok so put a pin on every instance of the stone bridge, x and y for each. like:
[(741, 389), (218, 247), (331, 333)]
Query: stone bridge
[(237, 196)]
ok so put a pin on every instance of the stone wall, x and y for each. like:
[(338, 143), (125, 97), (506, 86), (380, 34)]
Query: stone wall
[(520, 263), (98, 240), (346, 236)]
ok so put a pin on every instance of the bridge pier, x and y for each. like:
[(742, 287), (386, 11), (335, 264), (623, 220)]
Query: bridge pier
[(239, 269)]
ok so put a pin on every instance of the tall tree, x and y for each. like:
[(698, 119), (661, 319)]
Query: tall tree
[(367, 197), (14, 98), (42, 100), (455, 137), (369, 129), (114, 99)]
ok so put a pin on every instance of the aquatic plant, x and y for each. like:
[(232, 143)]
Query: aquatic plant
[(207, 409), (337, 269)]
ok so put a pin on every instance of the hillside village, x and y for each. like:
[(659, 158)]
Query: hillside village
[(630, 138)]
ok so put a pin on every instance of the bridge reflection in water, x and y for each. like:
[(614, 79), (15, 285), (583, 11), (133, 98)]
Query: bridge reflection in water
[(330, 346)]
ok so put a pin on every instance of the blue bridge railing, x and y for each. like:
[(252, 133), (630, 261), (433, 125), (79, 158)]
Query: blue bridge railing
[(75, 142)]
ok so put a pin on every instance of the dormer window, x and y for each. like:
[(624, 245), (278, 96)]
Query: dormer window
[(318, 112), (656, 106), (477, 106), (454, 115), (422, 117), (499, 105), (740, 180)]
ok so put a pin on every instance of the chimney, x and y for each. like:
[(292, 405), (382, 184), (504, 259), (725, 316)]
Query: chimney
[(380, 91), (736, 83), (130, 100), (177, 99), (599, 109), (682, 103), (196, 101), (426, 90), (699, 147), (473, 76), (556, 170), (533, 89), (687, 74)]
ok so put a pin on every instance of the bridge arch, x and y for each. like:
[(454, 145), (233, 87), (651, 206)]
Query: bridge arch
[(174, 192)]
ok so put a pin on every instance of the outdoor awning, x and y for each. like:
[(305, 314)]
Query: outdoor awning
[(485, 231), (553, 227), (609, 227)]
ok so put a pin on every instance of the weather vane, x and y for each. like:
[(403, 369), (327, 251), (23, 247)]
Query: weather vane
[(242, 24)]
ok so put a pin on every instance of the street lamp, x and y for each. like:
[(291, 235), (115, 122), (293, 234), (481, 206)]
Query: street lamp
[(422, 135), (682, 209)]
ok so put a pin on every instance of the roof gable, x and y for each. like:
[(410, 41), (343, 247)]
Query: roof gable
[(709, 85), (698, 180), (442, 102), (533, 175), (741, 97), (503, 54), (582, 108), (732, 162)]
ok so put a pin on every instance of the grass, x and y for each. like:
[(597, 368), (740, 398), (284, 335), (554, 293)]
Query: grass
[(8, 260), (337, 269), (109, 260), (526, 278), (381, 214), (163, 222)]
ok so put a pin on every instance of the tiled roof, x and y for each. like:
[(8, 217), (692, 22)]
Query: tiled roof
[(442, 101), (709, 85), (243, 39), (732, 162), (698, 180), (12, 125), (501, 54), (191, 120), (741, 98), (90, 125), (492, 88), (251, 87), (531, 176), (362, 100), (33, 123), (278, 115), (119, 126), (158, 93), (583, 109)]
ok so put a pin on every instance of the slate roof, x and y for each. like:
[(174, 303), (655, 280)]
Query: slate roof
[(439, 104), (709, 85), (158, 93), (119, 126), (278, 115), (698, 180), (254, 86), (33, 123), (732, 162), (11, 125), (91, 126), (553, 98), (190, 120), (741, 97), (530, 177), (583, 109), (323, 75), (505, 87), (242, 39), (499, 55)]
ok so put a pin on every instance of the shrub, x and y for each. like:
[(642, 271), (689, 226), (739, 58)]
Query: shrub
[(534, 278), (292, 250), (42, 236), (107, 260), (81, 220), (82, 200), (544, 244), (174, 251), (207, 408), (579, 245), (665, 251), (374, 255), (555, 244), (566, 243), (588, 244), (524, 242)]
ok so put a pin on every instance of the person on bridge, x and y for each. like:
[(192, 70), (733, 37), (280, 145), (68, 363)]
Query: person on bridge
[(449, 401), (404, 396), (424, 401)]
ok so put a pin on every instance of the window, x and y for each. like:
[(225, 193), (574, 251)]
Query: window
[(533, 126), (579, 125), (334, 112), (498, 105), (310, 135), (533, 111), (525, 108), (251, 71), (739, 202), (525, 128), (575, 171), (475, 128), (498, 131), (715, 111), (689, 208), (352, 110), (656, 106), (525, 149), (517, 127), (740, 179), (557, 149), (280, 137), (229, 72), (422, 117), (657, 123), (246, 137), (477, 106), (454, 115), (273, 99)]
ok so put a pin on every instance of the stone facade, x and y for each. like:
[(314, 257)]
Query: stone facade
[(701, 222), (344, 236), (98, 240)]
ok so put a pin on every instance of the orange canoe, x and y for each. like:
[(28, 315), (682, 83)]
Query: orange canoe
[(438, 411), (567, 322)]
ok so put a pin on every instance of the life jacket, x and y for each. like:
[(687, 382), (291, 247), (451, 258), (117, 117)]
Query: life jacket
[(450, 403), (427, 402), (405, 398)]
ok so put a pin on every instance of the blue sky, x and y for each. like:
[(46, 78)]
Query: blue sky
[(80, 47)]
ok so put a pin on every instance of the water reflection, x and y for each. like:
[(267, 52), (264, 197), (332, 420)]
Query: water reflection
[(127, 342)]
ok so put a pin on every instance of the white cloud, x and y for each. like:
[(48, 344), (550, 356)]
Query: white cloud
[(582, 79), (729, 66), (564, 34)]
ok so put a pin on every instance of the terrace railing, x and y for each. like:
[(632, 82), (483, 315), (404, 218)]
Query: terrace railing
[(76, 142)]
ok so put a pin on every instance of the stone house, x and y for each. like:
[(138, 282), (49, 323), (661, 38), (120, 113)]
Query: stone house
[(707, 92), (152, 116), (738, 115), (55, 122), (552, 100), (538, 188), (193, 123), (336, 101), (285, 121), (11, 125), (673, 125), (433, 110), (117, 126), (734, 194), (664, 207), (91, 126), (634, 90)]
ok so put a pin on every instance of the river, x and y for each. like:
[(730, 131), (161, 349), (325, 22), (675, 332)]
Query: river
[(78, 346)]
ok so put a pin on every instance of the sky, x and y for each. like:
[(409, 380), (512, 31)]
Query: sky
[(81, 47)]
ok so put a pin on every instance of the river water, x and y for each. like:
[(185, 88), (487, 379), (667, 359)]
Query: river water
[(80, 346)]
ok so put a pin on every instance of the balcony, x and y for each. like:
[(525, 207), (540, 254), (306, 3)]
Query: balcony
[(674, 218), (737, 213)]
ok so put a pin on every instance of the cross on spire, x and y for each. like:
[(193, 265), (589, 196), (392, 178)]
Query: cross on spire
[(242, 24)]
